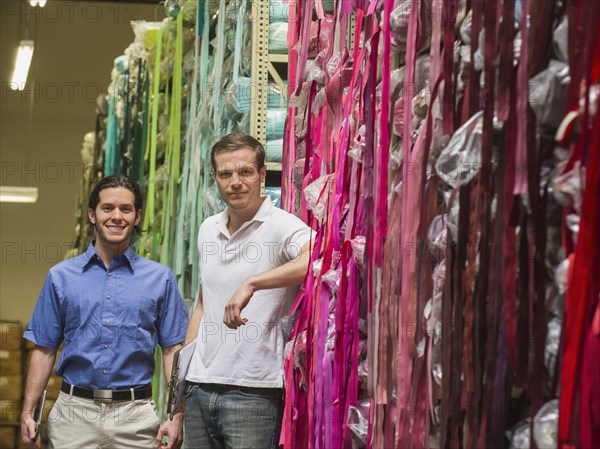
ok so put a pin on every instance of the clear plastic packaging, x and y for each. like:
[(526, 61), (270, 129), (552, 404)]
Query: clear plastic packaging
[(358, 247), (552, 344), (545, 425), (437, 236), (561, 278), (279, 10), (357, 147), (460, 160), (560, 37), (286, 324), (278, 37), (572, 222), (238, 95), (276, 123), (146, 36), (569, 186), (332, 278), (172, 8), (465, 29), (317, 196), (548, 90), (358, 422), (520, 436), (275, 194)]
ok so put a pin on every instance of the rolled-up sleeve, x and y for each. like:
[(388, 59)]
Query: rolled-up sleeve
[(46, 325), (173, 318)]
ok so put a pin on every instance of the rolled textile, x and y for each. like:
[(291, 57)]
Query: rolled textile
[(274, 149), (275, 123)]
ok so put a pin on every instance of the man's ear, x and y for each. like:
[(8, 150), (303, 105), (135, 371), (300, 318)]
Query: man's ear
[(138, 217), (92, 215), (263, 172)]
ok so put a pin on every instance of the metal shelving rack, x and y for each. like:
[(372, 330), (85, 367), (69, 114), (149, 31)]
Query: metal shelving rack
[(262, 67)]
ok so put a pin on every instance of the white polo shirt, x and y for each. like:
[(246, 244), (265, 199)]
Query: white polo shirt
[(251, 355)]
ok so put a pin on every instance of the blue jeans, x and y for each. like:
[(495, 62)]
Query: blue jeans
[(232, 417)]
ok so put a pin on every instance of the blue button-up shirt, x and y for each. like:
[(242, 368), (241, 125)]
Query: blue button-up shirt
[(110, 319)]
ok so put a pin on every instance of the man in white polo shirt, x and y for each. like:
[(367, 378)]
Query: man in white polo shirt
[(253, 257)]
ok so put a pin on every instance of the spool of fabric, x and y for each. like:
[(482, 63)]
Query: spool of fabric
[(279, 10), (275, 195), (238, 96), (278, 37), (275, 123), (274, 150)]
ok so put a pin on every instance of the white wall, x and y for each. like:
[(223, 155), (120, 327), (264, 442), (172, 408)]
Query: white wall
[(41, 130)]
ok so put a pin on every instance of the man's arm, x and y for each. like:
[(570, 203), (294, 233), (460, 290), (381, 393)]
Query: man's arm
[(40, 367), (167, 356), (172, 428), (286, 275)]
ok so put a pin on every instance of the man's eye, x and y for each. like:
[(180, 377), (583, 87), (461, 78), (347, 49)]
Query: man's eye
[(225, 175)]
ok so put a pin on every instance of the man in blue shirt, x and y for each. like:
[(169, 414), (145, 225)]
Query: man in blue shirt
[(110, 307)]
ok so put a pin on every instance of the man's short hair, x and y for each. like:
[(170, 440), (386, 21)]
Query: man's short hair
[(112, 182), (236, 141)]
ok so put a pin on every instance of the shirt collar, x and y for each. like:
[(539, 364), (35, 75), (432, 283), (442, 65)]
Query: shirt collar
[(264, 211), (90, 256)]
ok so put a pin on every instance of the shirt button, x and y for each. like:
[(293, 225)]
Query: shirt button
[(109, 297), (105, 346), (107, 321), (110, 273), (103, 371)]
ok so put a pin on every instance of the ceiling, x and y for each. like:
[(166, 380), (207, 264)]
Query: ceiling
[(42, 128)]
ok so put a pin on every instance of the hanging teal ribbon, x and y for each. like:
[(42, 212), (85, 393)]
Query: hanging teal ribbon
[(111, 138)]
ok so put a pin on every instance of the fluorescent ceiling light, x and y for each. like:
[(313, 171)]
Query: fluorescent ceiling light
[(14, 194), (24, 56), (39, 3)]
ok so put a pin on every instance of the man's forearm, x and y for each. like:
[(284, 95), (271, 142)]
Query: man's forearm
[(194, 323), (167, 355), (289, 274), (40, 368)]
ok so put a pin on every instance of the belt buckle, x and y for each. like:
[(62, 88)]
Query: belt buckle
[(103, 395)]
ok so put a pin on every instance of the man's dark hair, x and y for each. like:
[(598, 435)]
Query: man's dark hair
[(112, 182), (236, 141)]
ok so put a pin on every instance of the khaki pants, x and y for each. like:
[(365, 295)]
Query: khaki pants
[(83, 423)]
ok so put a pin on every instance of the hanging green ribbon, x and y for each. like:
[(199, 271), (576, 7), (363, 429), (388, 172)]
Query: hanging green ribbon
[(174, 147), (150, 204)]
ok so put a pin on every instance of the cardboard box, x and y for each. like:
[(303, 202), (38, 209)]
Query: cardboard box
[(53, 387), (8, 436), (11, 388), (10, 411), (11, 333), (11, 363)]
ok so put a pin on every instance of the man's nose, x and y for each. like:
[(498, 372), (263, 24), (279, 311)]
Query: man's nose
[(236, 179)]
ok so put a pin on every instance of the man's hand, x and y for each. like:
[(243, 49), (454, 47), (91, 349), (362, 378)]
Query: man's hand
[(236, 304), (29, 433), (173, 430)]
